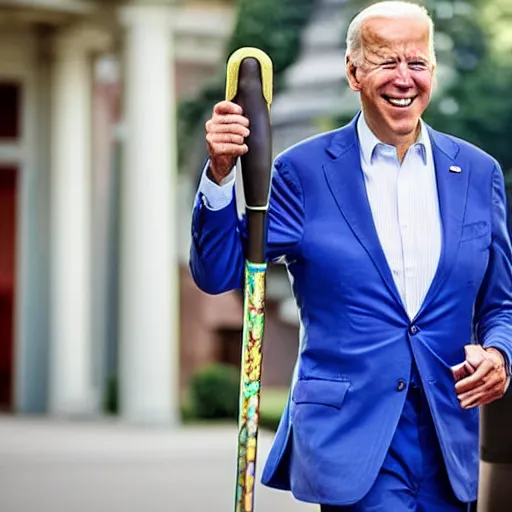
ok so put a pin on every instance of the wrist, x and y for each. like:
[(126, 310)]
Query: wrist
[(213, 176)]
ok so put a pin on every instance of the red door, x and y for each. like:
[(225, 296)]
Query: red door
[(10, 128), (7, 272)]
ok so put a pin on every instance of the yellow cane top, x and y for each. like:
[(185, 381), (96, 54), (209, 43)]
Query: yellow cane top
[(233, 68)]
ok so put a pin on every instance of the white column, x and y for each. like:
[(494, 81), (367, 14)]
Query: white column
[(71, 391), (149, 269)]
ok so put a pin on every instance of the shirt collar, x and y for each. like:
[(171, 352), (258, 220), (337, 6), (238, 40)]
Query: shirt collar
[(370, 144)]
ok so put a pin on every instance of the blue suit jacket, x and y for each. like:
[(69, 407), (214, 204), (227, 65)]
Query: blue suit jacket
[(357, 342)]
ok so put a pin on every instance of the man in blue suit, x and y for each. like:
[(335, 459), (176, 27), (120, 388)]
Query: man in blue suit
[(396, 242)]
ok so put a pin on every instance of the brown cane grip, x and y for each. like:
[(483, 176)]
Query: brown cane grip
[(249, 84), (257, 162)]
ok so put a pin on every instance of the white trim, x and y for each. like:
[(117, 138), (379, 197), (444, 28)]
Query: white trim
[(201, 33), (11, 153), (73, 6)]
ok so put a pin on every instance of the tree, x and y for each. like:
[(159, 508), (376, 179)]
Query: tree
[(274, 26), (477, 106)]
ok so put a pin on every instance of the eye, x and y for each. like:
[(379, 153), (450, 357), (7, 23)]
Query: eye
[(418, 65), (388, 64)]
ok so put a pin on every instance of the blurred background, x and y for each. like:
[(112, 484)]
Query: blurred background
[(107, 347)]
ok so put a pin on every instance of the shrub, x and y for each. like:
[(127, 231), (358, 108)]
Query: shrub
[(273, 401), (214, 392)]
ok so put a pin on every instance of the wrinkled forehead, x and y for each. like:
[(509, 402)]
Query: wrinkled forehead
[(406, 37)]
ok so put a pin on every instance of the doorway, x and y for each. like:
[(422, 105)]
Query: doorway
[(10, 138)]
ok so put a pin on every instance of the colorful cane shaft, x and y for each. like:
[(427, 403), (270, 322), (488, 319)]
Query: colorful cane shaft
[(254, 321)]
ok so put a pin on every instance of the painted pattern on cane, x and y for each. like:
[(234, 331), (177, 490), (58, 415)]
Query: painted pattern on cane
[(254, 305)]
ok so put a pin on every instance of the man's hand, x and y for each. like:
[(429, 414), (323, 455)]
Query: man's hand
[(225, 138), (481, 378)]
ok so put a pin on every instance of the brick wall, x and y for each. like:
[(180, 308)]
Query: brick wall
[(211, 331)]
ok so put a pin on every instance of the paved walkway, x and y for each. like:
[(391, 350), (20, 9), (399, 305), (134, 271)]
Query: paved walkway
[(58, 466)]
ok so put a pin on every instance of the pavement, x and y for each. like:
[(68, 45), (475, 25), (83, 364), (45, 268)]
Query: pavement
[(49, 465)]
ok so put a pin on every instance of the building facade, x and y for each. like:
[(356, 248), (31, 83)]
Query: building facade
[(95, 217)]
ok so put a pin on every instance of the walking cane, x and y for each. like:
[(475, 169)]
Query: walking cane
[(249, 84)]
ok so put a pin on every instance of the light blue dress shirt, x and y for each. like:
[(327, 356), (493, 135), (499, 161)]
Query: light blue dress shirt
[(404, 204), (405, 208)]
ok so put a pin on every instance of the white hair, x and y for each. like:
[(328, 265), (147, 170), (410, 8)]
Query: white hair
[(386, 9)]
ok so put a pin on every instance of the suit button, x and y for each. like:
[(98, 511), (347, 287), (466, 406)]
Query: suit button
[(401, 385), (413, 330)]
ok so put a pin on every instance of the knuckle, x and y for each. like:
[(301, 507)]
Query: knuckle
[(216, 150), (212, 140)]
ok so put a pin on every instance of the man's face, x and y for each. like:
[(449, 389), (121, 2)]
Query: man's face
[(394, 77)]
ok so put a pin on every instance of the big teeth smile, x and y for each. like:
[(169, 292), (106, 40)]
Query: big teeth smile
[(400, 102)]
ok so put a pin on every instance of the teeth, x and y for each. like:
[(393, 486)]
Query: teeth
[(403, 102)]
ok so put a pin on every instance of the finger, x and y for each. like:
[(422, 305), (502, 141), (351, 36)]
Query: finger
[(462, 370), (484, 397), (489, 383), (230, 119), (227, 149), (227, 107), (214, 127), (216, 138), (492, 396), (475, 380), (473, 401), (475, 355)]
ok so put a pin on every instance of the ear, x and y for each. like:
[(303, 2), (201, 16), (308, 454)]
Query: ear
[(351, 71)]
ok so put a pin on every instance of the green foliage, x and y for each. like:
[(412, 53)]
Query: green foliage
[(214, 392), (111, 396), (477, 107), (273, 401), (484, 110), (274, 26)]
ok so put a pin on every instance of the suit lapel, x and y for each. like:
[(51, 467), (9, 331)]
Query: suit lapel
[(452, 188), (346, 182)]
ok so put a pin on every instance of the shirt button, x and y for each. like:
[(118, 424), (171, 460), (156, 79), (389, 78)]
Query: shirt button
[(401, 385), (413, 330)]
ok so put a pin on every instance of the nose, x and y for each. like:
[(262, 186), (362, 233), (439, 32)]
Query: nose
[(403, 76)]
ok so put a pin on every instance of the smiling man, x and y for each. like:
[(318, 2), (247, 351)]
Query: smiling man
[(395, 238), (391, 63)]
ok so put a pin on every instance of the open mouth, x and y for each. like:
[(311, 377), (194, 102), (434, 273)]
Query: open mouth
[(399, 102)]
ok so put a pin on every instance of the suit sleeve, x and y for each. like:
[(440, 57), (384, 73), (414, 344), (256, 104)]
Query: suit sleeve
[(218, 237), (494, 303)]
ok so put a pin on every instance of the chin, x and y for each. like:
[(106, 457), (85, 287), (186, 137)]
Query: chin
[(404, 126), (404, 129)]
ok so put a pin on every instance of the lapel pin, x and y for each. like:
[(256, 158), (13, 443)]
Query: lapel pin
[(455, 168)]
